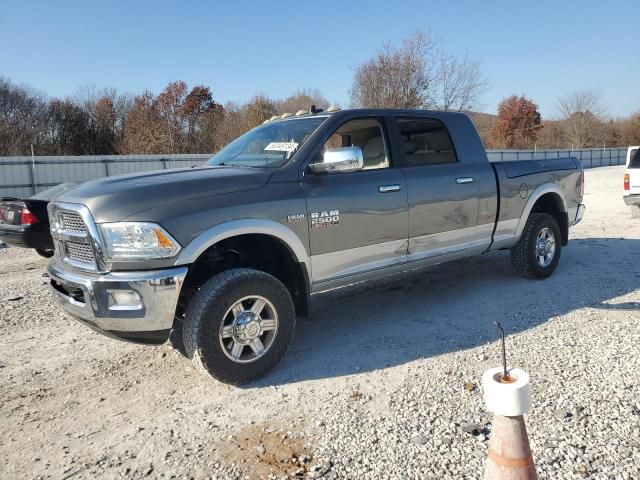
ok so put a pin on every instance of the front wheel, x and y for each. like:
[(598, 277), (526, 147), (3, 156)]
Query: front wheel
[(239, 325), (44, 252), (537, 253)]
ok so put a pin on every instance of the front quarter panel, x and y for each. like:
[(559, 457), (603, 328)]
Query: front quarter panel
[(278, 209)]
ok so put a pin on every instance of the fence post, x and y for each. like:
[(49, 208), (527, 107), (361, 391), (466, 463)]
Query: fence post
[(32, 176), (106, 167)]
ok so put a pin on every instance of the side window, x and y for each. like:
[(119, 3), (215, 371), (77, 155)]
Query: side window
[(634, 159), (425, 142), (365, 133)]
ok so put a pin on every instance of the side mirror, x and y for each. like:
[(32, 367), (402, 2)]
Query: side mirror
[(339, 160)]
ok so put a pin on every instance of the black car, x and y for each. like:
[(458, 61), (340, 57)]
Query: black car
[(25, 223)]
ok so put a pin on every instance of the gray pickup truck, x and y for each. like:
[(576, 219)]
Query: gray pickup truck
[(302, 204)]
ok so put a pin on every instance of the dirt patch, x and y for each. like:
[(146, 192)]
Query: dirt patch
[(267, 449)]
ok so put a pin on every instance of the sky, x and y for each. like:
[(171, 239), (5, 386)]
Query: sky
[(542, 49)]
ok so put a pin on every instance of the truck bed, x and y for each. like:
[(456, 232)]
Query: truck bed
[(519, 168)]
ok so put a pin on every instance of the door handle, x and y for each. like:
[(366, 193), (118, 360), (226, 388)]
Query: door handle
[(461, 180), (388, 188)]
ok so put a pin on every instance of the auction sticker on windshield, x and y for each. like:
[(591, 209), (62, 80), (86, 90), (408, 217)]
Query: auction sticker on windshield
[(281, 147)]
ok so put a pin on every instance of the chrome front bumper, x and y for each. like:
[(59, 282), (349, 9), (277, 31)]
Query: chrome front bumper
[(129, 305)]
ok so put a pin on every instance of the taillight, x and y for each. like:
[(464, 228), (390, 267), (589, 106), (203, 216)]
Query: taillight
[(27, 218), (626, 181)]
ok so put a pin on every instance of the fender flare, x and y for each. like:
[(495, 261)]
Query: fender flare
[(247, 226), (533, 198)]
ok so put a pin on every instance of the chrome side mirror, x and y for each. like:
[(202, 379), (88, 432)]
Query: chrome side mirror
[(339, 160)]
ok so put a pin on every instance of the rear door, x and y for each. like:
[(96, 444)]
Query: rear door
[(633, 169), (358, 220), (442, 191)]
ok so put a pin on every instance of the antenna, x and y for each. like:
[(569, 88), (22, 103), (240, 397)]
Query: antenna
[(505, 376)]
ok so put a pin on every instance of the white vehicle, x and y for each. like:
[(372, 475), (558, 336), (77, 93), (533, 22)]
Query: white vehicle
[(632, 181)]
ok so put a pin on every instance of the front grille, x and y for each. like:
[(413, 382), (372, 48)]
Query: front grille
[(80, 252), (72, 222), (73, 238)]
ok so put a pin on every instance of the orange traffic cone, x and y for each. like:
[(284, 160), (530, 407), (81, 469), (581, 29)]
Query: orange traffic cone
[(507, 393), (509, 456)]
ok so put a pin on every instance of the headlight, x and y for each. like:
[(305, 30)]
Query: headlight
[(137, 241)]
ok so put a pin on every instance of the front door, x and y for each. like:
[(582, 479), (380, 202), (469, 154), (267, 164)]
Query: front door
[(358, 221)]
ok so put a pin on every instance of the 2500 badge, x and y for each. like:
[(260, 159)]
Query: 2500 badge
[(324, 219)]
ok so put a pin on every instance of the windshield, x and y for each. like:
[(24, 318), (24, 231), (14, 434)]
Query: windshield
[(269, 145)]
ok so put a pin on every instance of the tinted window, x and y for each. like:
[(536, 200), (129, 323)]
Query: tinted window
[(425, 142), (634, 159), (365, 133)]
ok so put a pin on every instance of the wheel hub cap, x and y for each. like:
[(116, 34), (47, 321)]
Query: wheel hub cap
[(545, 247), (248, 329)]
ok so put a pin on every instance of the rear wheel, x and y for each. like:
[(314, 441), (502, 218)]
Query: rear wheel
[(239, 325), (537, 253)]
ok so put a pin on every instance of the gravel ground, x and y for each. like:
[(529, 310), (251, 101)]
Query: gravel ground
[(381, 380)]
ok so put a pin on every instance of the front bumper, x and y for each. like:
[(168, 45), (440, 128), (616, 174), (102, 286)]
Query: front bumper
[(632, 199), (136, 306)]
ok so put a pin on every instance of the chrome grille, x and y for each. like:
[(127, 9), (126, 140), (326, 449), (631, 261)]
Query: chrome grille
[(72, 236), (80, 252), (72, 222)]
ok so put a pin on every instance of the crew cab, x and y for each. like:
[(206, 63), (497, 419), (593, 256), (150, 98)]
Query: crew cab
[(631, 193), (302, 204)]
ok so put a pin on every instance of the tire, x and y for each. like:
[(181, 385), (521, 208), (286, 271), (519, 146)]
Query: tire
[(635, 211), (209, 317), (524, 257), (44, 253)]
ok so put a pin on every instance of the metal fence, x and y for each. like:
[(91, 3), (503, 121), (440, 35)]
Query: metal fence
[(590, 157), (25, 176)]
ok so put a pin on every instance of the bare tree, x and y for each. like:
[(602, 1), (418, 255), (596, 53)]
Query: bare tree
[(230, 124), (257, 110), (145, 130), (418, 74), (460, 83), (302, 100), (581, 113), (23, 119), (630, 130), (397, 77)]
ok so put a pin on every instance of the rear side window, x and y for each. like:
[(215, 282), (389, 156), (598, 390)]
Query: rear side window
[(425, 142), (634, 159)]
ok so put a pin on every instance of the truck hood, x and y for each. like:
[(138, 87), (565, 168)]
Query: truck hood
[(116, 198)]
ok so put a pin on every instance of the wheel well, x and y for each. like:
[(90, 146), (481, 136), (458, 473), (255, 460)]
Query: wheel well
[(259, 251), (551, 203)]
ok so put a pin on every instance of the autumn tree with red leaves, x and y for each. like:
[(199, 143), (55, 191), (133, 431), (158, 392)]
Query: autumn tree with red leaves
[(517, 125)]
